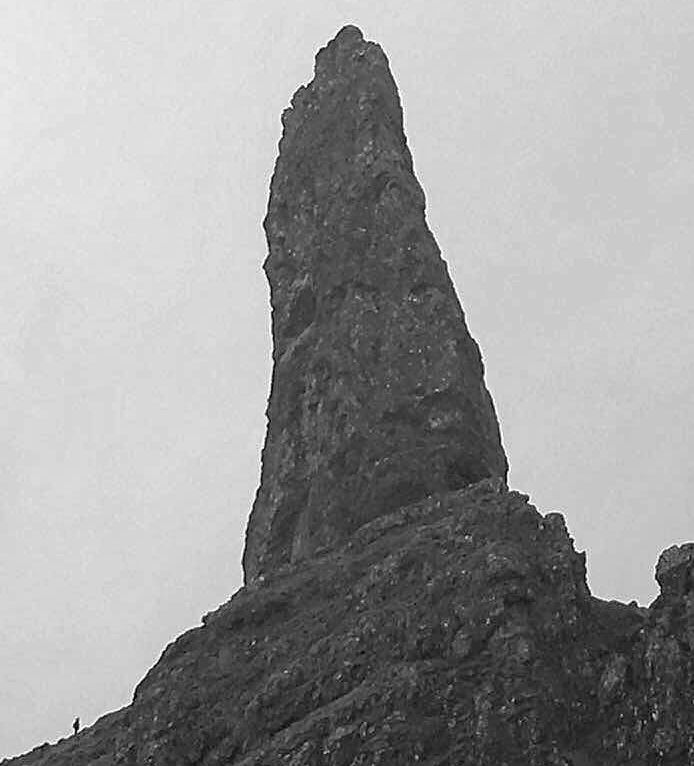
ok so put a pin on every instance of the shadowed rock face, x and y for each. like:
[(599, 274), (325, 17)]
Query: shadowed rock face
[(378, 397)]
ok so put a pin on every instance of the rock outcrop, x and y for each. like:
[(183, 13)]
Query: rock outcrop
[(443, 621), (457, 631), (377, 395)]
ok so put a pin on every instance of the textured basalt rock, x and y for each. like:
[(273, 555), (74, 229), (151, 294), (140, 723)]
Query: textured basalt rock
[(456, 631), (451, 629), (377, 395), (646, 693)]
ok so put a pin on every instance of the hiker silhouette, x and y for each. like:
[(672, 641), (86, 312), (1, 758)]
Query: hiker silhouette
[(76, 724)]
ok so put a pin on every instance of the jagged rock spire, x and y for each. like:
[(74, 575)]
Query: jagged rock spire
[(377, 397)]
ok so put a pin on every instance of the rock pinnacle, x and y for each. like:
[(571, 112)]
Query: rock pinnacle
[(378, 395)]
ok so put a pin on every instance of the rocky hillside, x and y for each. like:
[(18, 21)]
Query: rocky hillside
[(401, 605), (456, 631)]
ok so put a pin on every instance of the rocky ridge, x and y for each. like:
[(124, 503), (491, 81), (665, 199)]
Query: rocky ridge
[(452, 632), (449, 626)]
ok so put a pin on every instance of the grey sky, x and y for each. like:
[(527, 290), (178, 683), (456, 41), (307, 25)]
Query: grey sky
[(555, 141)]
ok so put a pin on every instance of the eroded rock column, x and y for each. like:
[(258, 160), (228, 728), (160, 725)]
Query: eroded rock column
[(377, 397)]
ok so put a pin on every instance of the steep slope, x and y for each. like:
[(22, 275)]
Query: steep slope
[(401, 605)]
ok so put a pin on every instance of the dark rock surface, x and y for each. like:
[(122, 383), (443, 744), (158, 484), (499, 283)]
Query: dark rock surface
[(647, 690), (377, 395), (456, 631), (451, 626)]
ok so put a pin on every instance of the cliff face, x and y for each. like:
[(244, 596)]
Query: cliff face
[(401, 605), (377, 396)]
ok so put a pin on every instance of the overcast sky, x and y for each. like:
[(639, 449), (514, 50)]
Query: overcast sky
[(555, 141)]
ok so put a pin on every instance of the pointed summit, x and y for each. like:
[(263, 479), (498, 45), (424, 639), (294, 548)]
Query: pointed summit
[(377, 397), (349, 32)]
